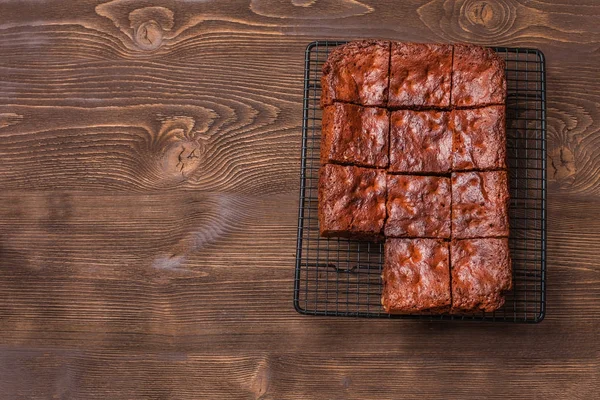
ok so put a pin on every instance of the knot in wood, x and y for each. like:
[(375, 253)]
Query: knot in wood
[(182, 158), (148, 35), (480, 13), (563, 168), (486, 18), (149, 25)]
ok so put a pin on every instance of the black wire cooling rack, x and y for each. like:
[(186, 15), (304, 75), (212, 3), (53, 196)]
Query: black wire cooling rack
[(342, 277)]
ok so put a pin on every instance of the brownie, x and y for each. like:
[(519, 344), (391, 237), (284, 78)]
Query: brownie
[(420, 75), (351, 201), (357, 72), (355, 135), (479, 204), (418, 206), (420, 141), (481, 271), (478, 77), (416, 276), (479, 138)]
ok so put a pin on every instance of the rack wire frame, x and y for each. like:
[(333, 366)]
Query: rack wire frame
[(342, 277)]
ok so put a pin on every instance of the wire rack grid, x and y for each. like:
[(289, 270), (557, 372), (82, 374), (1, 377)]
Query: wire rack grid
[(342, 277)]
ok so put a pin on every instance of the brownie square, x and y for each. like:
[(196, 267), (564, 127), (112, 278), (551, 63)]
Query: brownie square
[(420, 75), (478, 77), (416, 276), (481, 271), (479, 204), (357, 72), (418, 206), (420, 141), (355, 135), (351, 201), (479, 138)]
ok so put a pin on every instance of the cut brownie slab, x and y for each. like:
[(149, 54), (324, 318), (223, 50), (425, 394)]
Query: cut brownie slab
[(479, 204), (478, 77), (357, 72), (481, 271), (416, 276), (420, 75), (479, 138), (418, 206), (420, 142), (351, 201), (355, 135)]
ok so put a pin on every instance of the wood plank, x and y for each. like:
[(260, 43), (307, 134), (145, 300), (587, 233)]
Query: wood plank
[(97, 374)]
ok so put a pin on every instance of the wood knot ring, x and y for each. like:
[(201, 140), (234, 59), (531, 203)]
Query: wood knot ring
[(181, 158), (486, 18), (149, 35), (150, 25), (480, 13)]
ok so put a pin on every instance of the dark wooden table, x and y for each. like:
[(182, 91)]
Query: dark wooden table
[(150, 170)]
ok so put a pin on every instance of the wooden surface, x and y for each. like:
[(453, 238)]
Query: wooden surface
[(150, 172)]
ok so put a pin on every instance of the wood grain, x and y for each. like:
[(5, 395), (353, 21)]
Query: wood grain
[(150, 168)]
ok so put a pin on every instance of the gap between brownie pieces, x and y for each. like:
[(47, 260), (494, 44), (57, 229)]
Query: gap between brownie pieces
[(389, 150), (450, 248), (451, 214), (480, 237), (412, 173), (418, 173), (416, 107), (443, 174), (383, 107), (355, 164), (442, 239), (389, 82), (451, 77), (438, 108), (451, 227), (446, 240)]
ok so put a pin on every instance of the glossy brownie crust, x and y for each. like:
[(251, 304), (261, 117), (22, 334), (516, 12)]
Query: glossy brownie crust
[(416, 276), (357, 72), (420, 75), (355, 135), (481, 271), (479, 138), (479, 204), (351, 201), (413, 152), (418, 206), (478, 77), (420, 142)]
